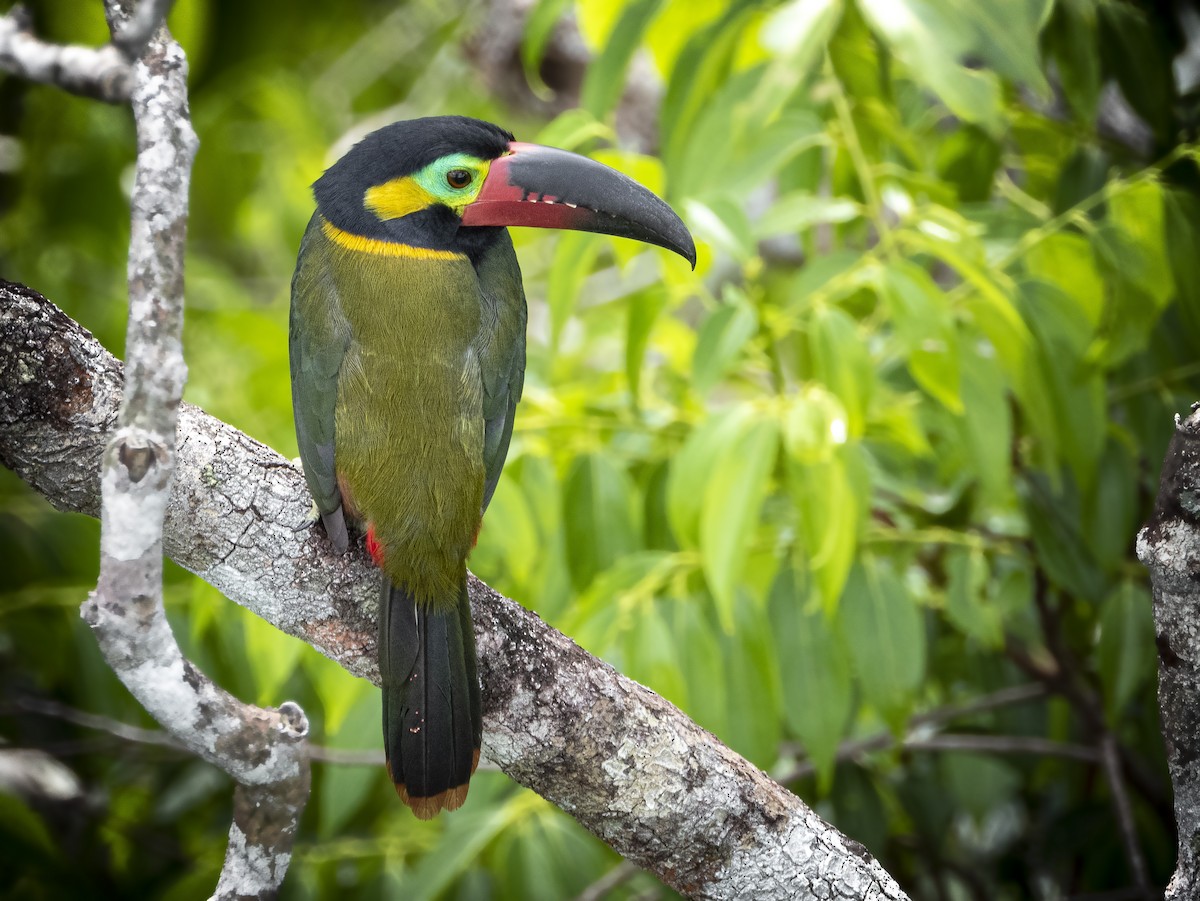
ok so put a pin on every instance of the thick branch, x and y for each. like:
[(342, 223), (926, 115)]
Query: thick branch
[(1169, 546), (103, 73), (629, 766)]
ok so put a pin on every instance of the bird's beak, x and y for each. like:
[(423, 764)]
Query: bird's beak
[(544, 187)]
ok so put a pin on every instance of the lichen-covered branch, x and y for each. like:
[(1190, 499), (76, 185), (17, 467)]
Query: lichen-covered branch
[(132, 36), (628, 765), (1169, 546), (102, 73), (264, 750)]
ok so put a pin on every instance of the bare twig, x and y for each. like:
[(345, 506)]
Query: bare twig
[(1116, 782), (629, 766), (919, 726), (115, 728), (161, 739), (614, 878), (102, 73), (1004, 744)]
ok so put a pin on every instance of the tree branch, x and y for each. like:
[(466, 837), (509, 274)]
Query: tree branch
[(1169, 546), (629, 766), (102, 74), (264, 750)]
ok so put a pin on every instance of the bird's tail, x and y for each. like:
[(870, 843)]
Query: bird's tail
[(432, 711)]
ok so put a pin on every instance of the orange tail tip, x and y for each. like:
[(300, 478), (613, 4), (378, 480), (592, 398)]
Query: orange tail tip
[(428, 808)]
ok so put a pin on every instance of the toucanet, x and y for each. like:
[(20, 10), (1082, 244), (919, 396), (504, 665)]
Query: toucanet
[(407, 345)]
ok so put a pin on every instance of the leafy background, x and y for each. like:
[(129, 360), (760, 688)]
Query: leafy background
[(859, 495)]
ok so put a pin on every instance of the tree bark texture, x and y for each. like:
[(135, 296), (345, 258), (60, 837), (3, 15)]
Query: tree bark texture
[(1169, 546), (625, 763)]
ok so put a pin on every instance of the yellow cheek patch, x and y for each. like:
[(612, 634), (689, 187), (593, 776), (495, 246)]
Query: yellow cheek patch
[(386, 248), (396, 198)]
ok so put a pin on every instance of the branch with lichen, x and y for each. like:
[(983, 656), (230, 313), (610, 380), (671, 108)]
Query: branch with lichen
[(1169, 546), (629, 766), (264, 750)]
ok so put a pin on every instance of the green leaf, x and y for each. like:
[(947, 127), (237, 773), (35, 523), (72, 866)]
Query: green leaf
[(574, 256), (1142, 65), (643, 308), (651, 655), (987, 427), (926, 330), (272, 656), (929, 41), (339, 691), (1071, 38), (796, 33), (1054, 523), (605, 79), (721, 339), (829, 494), (598, 502), (1125, 653), (1138, 212), (841, 362), (508, 536), (463, 839), (22, 827), (693, 466), (699, 71), (721, 223), (968, 159), (611, 605), (835, 275), (539, 26), (885, 635), (1111, 517), (800, 210), (1065, 260), (343, 789), (750, 661), (967, 604), (815, 674), (1181, 223), (733, 497), (977, 783), (1005, 34), (699, 645), (1073, 386), (573, 130)]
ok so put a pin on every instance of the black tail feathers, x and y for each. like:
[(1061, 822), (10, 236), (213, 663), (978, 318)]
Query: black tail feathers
[(432, 711)]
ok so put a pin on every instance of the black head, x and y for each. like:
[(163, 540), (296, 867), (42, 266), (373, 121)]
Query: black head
[(391, 156), (450, 183)]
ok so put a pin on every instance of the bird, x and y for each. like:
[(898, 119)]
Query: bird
[(407, 354)]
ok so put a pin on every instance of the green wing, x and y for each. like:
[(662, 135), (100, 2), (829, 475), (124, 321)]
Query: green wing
[(501, 351), (318, 335)]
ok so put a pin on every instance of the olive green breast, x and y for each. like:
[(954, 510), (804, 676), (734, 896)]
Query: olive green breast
[(409, 420)]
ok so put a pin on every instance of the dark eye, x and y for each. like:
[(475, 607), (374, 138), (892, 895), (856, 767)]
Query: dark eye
[(458, 178)]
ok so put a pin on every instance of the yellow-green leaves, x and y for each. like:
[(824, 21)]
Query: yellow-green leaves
[(715, 492), (886, 639), (733, 497), (926, 331), (721, 339), (606, 76), (815, 673), (1125, 651), (599, 503)]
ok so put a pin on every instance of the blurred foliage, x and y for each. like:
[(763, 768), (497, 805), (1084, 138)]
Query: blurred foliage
[(883, 453)]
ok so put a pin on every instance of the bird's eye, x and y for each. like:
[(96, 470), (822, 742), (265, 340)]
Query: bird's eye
[(458, 178)]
